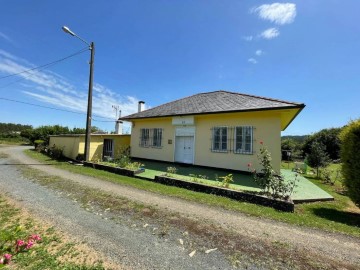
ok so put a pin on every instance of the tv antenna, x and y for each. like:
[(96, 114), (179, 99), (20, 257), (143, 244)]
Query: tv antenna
[(117, 110)]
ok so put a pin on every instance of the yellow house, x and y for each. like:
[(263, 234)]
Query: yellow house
[(218, 129), (101, 145)]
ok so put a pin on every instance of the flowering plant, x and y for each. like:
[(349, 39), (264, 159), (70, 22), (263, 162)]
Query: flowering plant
[(19, 246), (272, 184)]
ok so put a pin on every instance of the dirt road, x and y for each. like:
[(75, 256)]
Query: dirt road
[(134, 248)]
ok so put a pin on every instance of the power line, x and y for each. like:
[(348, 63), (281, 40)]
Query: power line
[(103, 120), (45, 65), (52, 108)]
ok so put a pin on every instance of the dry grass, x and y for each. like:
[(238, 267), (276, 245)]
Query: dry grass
[(58, 244)]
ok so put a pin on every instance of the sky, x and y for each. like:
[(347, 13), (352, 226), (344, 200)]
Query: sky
[(159, 51)]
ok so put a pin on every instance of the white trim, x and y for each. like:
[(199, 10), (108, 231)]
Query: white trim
[(213, 140)]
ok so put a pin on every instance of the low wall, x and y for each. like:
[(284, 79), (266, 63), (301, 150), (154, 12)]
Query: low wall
[(111, 169), (286, 206)]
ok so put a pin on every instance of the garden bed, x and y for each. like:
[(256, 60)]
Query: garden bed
[(113, 169), (286, 206)]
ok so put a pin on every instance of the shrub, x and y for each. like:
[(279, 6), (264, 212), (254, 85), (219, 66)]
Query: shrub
[(56, 152), (123, 157), (350, 156), (272, 184), (226, 180), (134, 166), (39, 145), (326, 176), (171, 171)]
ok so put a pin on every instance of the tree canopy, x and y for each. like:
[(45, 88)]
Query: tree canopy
[(329, 138)]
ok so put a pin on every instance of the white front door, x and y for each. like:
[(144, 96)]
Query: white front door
[(184, 149)]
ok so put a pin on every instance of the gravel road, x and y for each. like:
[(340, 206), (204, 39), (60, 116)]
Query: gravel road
[(136, 249), (128, 247)]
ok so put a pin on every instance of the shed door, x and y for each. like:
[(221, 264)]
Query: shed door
[(184, 149), (108, 148)]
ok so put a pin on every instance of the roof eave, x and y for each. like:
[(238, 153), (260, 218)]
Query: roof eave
[(300, 109), (300, 106)]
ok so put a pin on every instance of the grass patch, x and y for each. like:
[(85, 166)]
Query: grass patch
[(13, 141), (239, 249), (321, 215), (51, 252)]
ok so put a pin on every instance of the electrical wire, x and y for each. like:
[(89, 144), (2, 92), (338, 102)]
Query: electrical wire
[(39, 68), (42, 67), (57, 109), (45, 65)]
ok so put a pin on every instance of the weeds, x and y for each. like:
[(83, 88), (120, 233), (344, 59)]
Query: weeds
[(226, 180), (21, 244)]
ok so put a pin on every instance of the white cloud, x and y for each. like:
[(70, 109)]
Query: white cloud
[(259, 52), (248, 38), (270, 33), (52, 88), (252, 61), (279, 13), (7, 38)]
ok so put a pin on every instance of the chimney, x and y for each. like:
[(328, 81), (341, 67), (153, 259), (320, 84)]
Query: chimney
[(141, 106), (118, 127)]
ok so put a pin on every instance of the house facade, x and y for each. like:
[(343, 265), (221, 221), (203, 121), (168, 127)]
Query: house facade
[(102, 146), (218, 129)]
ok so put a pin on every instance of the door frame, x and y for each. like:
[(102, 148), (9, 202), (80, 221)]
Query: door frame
[(112, 147), (186, 131)]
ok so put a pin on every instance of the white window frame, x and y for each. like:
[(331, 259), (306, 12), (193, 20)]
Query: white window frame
[(221, 135), (157, 137), (245, 140), (144, 137)]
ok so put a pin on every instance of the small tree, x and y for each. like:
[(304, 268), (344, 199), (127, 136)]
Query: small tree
[(272, 184), (350, 157), (329, 138), (317, 157)]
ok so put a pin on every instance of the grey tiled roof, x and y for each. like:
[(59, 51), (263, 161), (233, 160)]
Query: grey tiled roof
[(214, 102)]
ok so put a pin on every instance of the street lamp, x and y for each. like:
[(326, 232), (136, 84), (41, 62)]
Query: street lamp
[(89, 105)]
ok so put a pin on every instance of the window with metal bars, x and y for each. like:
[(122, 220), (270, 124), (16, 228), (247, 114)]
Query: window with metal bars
[(151, 137), (237, 139), (243, 140), (220, 139), (157, 137), (145, 137)]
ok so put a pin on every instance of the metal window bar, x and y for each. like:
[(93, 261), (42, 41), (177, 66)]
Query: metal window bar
[(238, 139), (220, 139), (151, 137), (108, 148), (156, 137), (243, 139), (144, 137)]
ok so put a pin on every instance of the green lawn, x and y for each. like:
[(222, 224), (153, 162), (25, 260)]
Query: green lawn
[(338, 216), (305, 189), (204, 175)]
